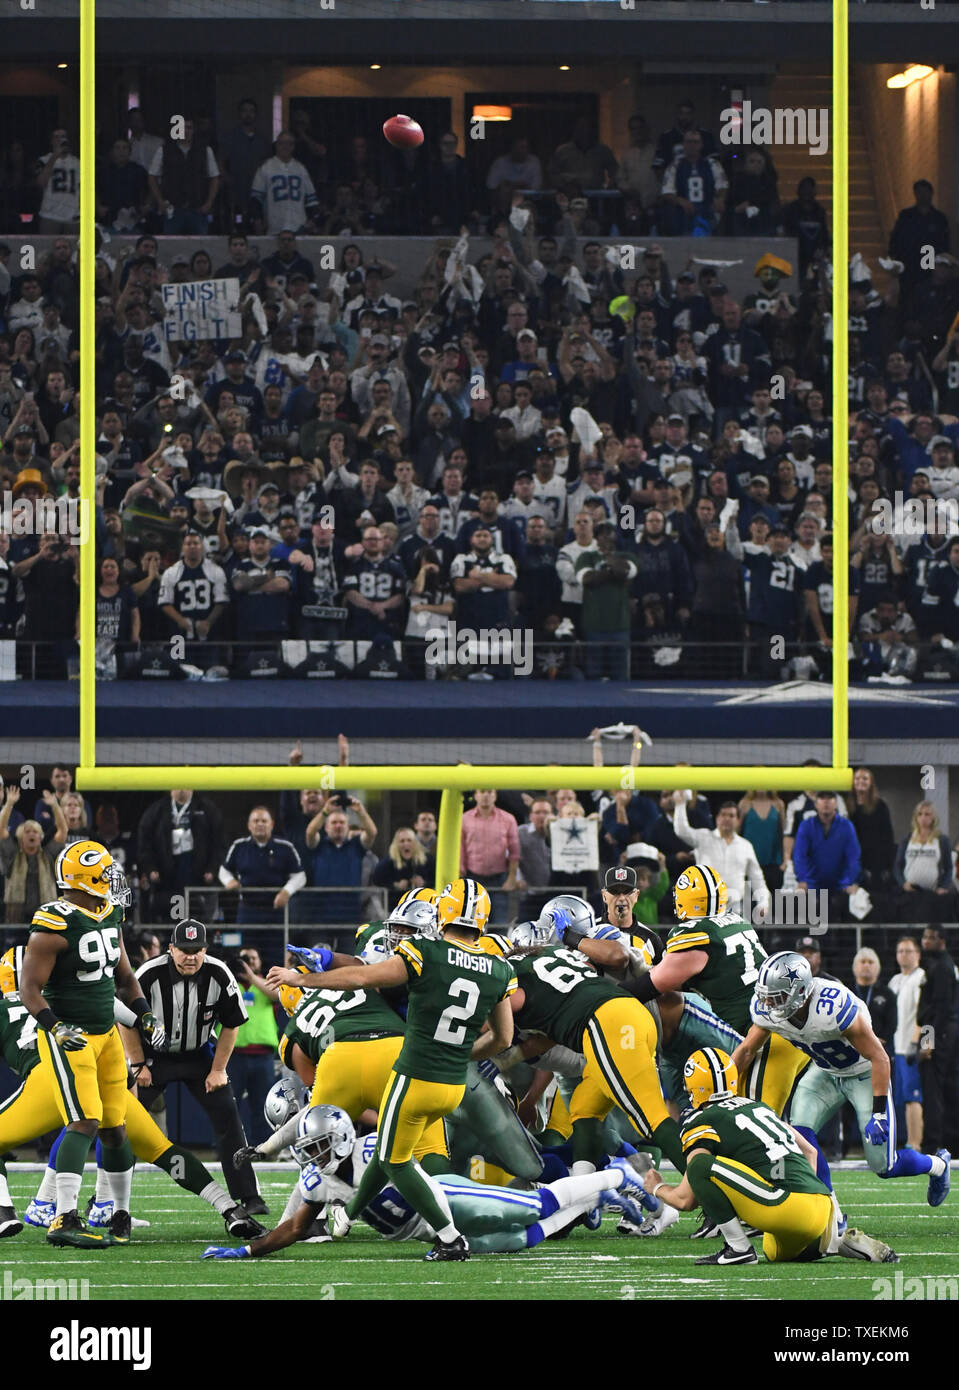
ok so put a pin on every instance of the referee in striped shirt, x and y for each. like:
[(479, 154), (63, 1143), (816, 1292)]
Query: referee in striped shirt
[(192, 992)]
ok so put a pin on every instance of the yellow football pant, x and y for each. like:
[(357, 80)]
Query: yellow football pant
[(410, 1113), (620, 1047), (788, 1224), (773, 1072), (90, 1084), (34, 1110)]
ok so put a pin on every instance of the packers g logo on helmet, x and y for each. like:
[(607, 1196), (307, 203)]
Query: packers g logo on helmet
[(89, 867), (699, 892), (464, 903), (709, 1074)]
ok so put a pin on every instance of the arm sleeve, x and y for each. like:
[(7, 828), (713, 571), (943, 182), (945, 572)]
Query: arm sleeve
[(683, 828), (852, 857), (230, 1010)]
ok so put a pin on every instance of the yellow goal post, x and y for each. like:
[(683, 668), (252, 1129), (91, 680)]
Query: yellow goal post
[(453, 779)]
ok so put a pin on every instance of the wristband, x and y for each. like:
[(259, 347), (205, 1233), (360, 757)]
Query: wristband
[(644, 990), (140, 1007), (657, 1187), (879, 1105), (47, 1020)]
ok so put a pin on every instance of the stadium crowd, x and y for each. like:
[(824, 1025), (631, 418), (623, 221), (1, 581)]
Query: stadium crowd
[(317, 858), (630, 468)]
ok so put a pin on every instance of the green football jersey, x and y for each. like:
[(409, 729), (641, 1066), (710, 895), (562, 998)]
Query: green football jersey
[(80, 989), (453, 989), (371, 938), (563, 991), (735, 955), (751, 1133), (18, 1036), (326, 1016)]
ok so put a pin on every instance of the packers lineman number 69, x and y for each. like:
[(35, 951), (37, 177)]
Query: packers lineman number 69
[(101, 949), (459, 988)]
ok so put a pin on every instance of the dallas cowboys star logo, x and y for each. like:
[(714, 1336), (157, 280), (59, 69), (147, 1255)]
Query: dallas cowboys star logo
[(573, 832), (792, 974)]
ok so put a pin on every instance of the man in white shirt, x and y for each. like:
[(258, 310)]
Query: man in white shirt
[(906, 1083), (143, 146), (283, 192), (566, 560), (732, 856)]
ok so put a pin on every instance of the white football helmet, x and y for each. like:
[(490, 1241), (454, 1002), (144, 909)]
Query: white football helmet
[(567, 918), (324, 1136), (411, 917), (784, 984), (284, 1099)]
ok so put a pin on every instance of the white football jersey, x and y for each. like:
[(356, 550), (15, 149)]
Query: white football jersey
[(832, 1008), (286, 194)]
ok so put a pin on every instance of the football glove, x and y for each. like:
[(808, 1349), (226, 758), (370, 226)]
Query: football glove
[(561, 925), (487, 1068), (877, 1130), (225, 1252), (316, 960), (245, 1155), (153, 1031), (69, 1036)]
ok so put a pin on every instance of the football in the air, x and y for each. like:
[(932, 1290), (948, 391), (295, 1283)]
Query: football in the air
[(403, 132)]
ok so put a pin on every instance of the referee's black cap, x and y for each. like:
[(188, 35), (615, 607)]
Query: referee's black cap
[(189, 935), (621, 879)]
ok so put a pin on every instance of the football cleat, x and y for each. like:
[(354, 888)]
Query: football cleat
[(938, 1189), (592, 1219), (238, 1223), (99, 1214), (729, 1256), (136, 1221), (120, 1227), (651, 1225), (69, 1229), (620, 1200), (856, 1245), (337, 1221), (706, 1230), (10, 1223), (457, 1249), (632, 1184), (255, 1206), (40, 1213)]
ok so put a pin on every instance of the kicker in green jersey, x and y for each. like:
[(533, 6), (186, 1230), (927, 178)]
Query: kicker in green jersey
[(563, 991), (81, 989), (735, 955), (453, 989), (748, 1132)]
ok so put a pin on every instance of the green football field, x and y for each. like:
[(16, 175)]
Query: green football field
[(162, 1261)]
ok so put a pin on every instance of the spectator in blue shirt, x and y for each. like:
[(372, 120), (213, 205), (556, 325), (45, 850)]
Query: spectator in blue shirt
[(628, 817), (826, 853), (338, 854), (260, 860)]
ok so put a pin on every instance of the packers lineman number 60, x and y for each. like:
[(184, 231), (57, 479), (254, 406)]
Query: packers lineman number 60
[(459, 989), (101, 949)]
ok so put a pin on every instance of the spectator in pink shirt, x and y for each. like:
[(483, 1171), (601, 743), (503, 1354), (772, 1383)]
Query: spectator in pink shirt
[(489, 849)]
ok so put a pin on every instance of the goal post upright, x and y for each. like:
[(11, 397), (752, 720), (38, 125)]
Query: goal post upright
[(454, 779)]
